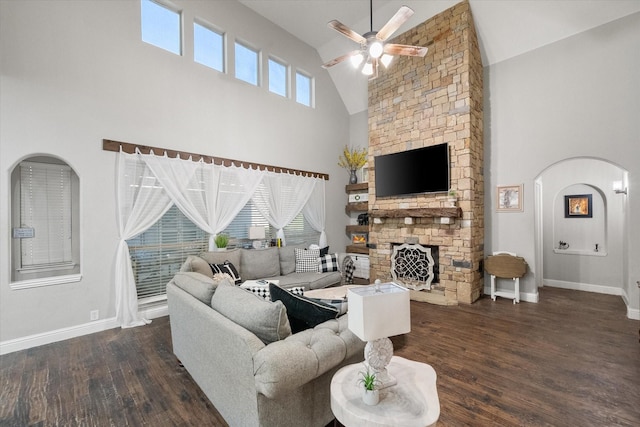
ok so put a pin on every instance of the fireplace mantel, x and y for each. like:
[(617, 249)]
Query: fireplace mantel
[(454, 212)]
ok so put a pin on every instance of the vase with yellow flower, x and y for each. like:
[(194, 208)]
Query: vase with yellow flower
[(352, 159)]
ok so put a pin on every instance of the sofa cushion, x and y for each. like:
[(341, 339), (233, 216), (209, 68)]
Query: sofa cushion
[(219, 257), (328, 263), (259, 263), (198, 265), (266, 320), (288, 259), (303, 313), (196, 284), (306, 260), (227, 268)]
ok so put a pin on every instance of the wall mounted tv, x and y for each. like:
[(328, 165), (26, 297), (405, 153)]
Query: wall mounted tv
[(422, 170)]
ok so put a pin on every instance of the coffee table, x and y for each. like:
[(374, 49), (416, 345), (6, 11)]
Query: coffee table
[(413, 402)]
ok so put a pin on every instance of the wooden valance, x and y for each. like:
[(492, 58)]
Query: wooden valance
[(109, 145)]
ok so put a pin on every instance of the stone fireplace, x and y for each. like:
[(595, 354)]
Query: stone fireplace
[(419, 102)]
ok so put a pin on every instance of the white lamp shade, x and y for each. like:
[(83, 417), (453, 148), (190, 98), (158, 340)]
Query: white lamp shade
[(256, 233), (379, 314)]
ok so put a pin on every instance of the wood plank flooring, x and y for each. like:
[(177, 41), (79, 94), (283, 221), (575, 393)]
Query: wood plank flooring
[(571, 360)]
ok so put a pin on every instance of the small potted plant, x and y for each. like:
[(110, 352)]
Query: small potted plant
[(221, 241), (352, 159), (452, 198), (370, 392)]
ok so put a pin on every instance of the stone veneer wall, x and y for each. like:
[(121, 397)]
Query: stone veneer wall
[(419, 102)]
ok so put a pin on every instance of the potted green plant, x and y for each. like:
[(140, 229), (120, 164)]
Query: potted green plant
[(452, 198), (370, 392), (221, 241), (352, 159)]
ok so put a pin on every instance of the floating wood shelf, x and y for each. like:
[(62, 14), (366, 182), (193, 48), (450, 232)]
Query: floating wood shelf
[(361, 186), (417, 213), (358, 249), (357, 229), (357, 207)]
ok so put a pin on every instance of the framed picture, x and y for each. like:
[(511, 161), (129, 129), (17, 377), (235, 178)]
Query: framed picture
[(509, 198), (359, 238), (578, 206), (365, 174)]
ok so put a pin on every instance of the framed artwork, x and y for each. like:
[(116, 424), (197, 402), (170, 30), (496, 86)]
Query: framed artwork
[(578, 206), (509, 198), (359, 238), (365, 174)]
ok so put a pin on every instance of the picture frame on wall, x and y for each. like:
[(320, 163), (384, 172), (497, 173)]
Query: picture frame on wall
[(364, 174), (578, 206), (509, 198)]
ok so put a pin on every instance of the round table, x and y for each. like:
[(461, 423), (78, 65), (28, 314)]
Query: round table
[(412, 402)]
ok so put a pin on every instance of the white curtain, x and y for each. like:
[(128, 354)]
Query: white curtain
[(314, 211), (280, 198), (141, 202), (228, 189)]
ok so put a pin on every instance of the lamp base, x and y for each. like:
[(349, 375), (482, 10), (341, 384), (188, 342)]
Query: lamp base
[(377, 355)]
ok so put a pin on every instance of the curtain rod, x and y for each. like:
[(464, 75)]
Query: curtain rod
[(110, 145)]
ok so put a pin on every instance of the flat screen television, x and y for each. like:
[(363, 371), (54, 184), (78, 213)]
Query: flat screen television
[(422, 170)]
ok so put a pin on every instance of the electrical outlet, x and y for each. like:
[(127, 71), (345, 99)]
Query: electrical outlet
[(94, 314)]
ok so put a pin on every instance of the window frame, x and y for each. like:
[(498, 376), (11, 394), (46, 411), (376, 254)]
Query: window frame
[(223, 36), (171, 8), (287, 75), (258, 53), (311, 87)]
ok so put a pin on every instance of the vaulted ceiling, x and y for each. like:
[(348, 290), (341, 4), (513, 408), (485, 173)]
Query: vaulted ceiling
[(506, 28)]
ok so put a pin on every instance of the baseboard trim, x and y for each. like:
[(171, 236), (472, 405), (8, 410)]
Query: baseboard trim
[(524, 296), (599, 289), (44, 338)]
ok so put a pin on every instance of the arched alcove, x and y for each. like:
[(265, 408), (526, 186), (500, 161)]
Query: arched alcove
[(578, 265)]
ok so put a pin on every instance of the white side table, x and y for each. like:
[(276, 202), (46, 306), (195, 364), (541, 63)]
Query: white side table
[(413, 402)]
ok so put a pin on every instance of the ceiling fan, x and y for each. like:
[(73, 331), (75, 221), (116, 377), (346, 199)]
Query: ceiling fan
[(373, 49)]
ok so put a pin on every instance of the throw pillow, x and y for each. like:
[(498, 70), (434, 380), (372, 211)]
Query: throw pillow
[(266, 320), (324, 251), (340, 304), (227, 268), (263, 291), (306, 260), (288, 259), (260, 263), (195, 284), (303, 313), (329, 263)]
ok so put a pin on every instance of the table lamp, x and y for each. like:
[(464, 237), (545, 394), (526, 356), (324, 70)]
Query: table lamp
[(376, 313), (257, 234)]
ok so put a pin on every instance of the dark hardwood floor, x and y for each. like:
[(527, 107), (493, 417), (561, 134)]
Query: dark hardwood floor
[(571, 360)]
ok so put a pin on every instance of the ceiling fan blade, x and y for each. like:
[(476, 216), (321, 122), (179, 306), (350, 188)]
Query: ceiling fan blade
[(403, 49), (339, 59), (394, 23), (343, 29)]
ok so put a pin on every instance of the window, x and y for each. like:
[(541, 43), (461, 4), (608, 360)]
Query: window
[(298, 232), (277, 77), (208, 47), (303, 89), (246, 64), (161, 26), (159, 252), (45, 229)]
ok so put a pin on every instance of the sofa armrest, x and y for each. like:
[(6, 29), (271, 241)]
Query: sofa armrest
[(286, 365)]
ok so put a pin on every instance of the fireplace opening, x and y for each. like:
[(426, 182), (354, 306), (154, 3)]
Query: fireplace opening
[(414, 265)]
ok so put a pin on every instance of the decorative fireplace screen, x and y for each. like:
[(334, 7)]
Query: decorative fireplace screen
[(412, 266)]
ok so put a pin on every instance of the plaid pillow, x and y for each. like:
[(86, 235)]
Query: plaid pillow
[(328, 263), (306, 260), (348, 267), (263, 291)]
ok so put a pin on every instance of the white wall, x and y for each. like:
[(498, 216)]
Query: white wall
[(73, 73), (579, 97)]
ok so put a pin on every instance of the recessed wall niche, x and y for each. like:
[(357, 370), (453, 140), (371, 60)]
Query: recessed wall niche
[(585, 232)]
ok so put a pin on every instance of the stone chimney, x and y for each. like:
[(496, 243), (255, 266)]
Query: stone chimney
[(418, 102)]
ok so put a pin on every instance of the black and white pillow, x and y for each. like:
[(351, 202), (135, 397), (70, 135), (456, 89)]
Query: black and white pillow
[(227, 268), (302, 312), (306, 260), (263, 291), (328, 263)]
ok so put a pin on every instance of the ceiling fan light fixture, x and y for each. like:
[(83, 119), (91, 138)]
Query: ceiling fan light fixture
[(367, 70), (376, 49), (356, 60), (386, 60)]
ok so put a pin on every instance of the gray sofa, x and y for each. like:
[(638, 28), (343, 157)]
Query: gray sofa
[(240, 351), (271, 264)]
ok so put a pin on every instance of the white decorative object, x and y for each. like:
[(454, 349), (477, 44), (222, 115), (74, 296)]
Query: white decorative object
[(412, 266), (376, 313), (358, 197), (370, 397)]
